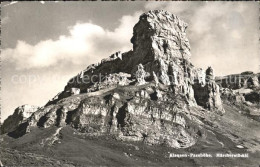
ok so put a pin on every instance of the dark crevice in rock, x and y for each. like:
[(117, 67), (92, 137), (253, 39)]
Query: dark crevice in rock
[(154, 96), (121, 115), (42, 120), (69, 117)]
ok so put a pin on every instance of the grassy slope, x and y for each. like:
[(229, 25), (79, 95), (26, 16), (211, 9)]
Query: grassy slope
[(79, 150)]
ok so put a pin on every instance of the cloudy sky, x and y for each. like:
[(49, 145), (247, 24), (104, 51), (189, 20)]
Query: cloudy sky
[(45, 44)]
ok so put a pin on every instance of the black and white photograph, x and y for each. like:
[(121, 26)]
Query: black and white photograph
[(130, 83)]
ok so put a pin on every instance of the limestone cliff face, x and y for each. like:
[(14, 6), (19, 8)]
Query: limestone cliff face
[(136, 113), (145, 94), (19, 116)]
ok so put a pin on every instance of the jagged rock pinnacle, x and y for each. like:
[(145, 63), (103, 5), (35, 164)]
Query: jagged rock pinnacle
[(160, 34)]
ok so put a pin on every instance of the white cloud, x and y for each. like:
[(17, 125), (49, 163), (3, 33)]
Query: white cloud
[(86, 44), (222, 34)]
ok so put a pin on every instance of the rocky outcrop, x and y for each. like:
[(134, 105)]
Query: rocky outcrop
[(208, 95), (140, 75), (253, 97), (20, 115), (231, 96), (253, 82)]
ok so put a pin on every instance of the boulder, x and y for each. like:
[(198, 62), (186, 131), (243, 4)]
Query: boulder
[(75, 91)]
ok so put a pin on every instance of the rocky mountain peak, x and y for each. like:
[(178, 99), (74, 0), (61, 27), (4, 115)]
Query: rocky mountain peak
[(140, 95), (160, 45), (160, 34)]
